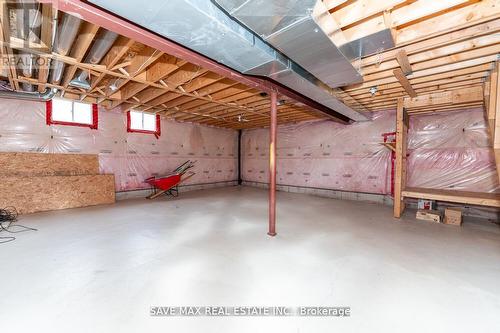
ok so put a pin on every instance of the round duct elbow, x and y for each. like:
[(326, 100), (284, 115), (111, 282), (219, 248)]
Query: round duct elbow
[(44, 96)]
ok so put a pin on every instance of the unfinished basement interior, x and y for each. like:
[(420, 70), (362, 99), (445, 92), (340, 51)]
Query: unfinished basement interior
[(250, 166)]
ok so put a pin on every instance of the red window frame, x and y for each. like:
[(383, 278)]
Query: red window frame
[(48, 116), (156, 133)]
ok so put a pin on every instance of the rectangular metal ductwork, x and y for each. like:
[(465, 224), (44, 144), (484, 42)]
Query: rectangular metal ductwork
[(303, 30), (207, 28)]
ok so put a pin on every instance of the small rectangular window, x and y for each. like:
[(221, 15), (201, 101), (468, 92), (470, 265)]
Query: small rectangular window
[(143, 122), (74, 113)]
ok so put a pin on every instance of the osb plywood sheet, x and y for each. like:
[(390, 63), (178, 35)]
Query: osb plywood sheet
[(42, 164), (34, 194)]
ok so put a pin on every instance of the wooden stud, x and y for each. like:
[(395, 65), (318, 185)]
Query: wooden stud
[(401, 144), (46, 39), (492, 101), (403, 62), (5, 38), (495, 95), (398, 73)]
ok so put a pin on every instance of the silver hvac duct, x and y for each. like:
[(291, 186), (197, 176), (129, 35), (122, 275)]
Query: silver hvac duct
[(97, 52), (48, 94), (204, 27), (28, 20), (67, 30), (303, 30)]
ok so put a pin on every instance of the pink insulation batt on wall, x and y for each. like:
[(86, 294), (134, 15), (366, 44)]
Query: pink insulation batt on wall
[(446, 151), (451, 151), (131, 157), (324, 154)]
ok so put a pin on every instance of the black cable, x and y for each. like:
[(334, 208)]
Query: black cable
[(7, 239), (8, 216)]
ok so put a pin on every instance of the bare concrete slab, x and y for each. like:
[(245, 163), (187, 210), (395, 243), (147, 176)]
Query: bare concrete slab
[(100, 269)]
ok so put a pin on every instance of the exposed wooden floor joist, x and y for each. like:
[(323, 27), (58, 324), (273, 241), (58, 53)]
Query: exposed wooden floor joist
[(441, 46)]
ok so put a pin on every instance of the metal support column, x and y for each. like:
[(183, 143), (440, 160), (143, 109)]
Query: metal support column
[(272, 164)]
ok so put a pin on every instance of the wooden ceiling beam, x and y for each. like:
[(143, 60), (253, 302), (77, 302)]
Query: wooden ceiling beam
[(449, 67), (46, 39), (428, 55), (451, 97), (471, 54), (163, 67), (5, 37), (117, 51), (399, 92), (402, 16), (391, 102), (357, 11), (86, 36), (398, 73), (202, 81), (138, 65), (470, 13), (456, 35), (425, 79), (404, 62)]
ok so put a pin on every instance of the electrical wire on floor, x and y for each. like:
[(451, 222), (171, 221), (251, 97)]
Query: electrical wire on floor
[(8, 216)]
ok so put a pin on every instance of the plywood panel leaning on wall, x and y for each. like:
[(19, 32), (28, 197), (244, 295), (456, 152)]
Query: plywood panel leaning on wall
[(33, 182), (41, 193), (38, 164)]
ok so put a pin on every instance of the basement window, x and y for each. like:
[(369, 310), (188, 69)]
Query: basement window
[(61, 111), (143, 122)]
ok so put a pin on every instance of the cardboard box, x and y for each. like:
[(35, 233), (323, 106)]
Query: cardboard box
[(426, 204), (453, 216), (429, 215)]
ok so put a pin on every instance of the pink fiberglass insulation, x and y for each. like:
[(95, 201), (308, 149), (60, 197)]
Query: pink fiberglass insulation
[(451, 151), (446, 151), (323, 154), (131, 157)]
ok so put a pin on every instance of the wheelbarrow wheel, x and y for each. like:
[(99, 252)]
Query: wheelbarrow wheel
[(174, 192)]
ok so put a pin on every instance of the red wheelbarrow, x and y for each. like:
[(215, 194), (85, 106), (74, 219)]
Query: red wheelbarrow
[(168, 184)]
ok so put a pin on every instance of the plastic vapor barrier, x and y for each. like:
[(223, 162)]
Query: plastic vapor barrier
[(446, 151), (131, 157), (451, 151), (323, 154)]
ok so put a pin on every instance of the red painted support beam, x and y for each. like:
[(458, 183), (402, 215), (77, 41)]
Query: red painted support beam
[(272, 163), (108, 21)]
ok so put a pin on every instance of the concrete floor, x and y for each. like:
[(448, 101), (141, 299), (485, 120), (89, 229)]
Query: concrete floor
[(100, 269)]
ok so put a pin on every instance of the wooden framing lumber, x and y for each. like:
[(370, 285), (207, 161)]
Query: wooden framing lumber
[(494, 113), (404, 62), (459, 96), (441, 46), (46, 39), (401, 145), (85, 37), (5, 38), (398, 73), (491, 106), (463, 197)]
